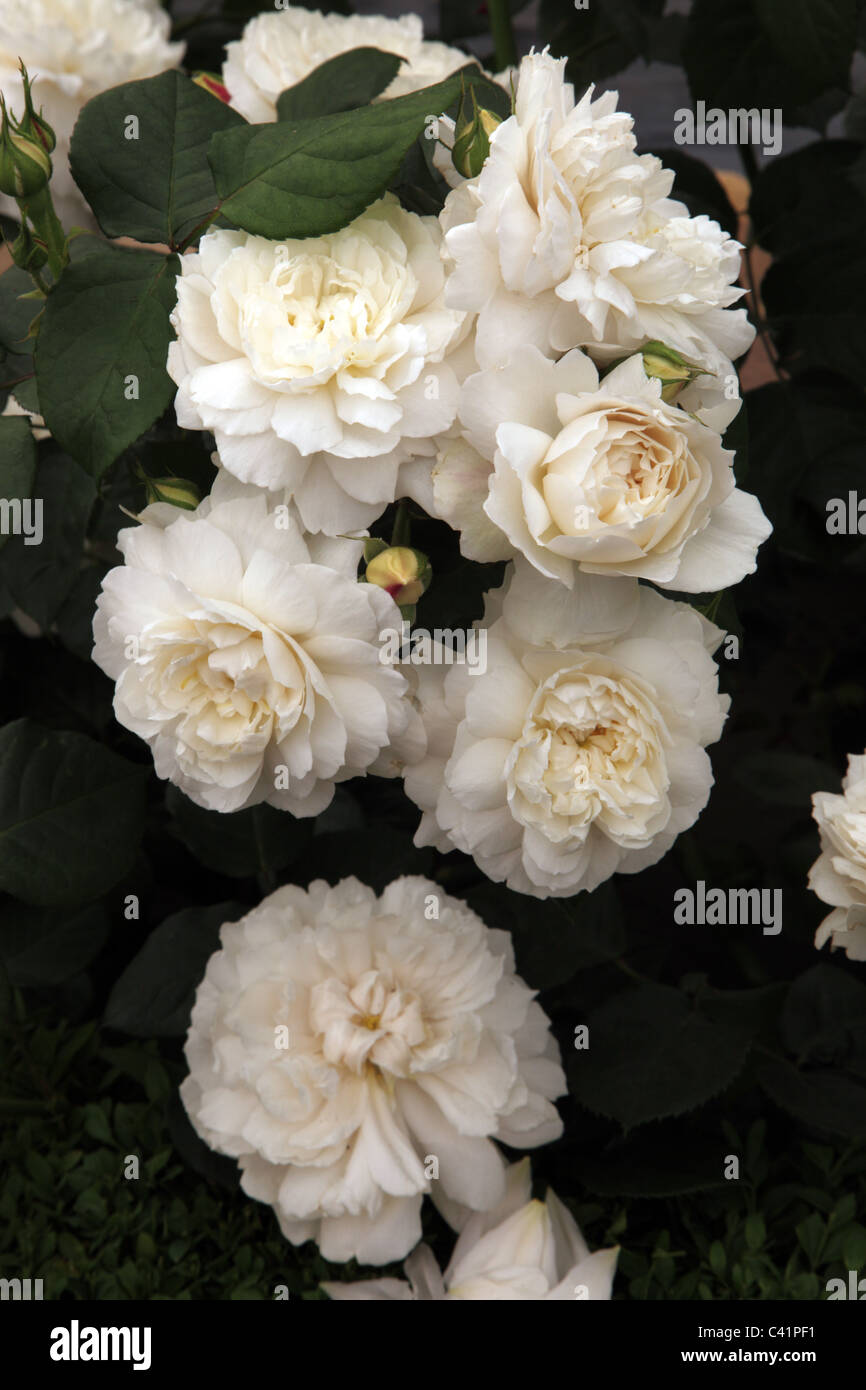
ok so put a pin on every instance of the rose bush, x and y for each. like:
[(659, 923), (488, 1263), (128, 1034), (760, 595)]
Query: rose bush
[(381, 453)]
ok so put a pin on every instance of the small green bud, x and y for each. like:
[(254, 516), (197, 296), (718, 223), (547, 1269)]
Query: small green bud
[(28, 251), (180, 492), (669, 367), (25, 166), (475, 125), (34, 123), (402, 572)]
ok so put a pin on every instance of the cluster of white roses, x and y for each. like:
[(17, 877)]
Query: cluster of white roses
[(493, 365), (455, 361)]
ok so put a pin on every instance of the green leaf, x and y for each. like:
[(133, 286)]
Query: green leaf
[(158, 186), (16, 314), (154, 995), (818, 1097), (104, 336), (242, 844), (653, 1052), (41, 577), (17, 464), (41, 947), (71, 815), (310, 177), (554, 938), (341, 84), (815, 38)]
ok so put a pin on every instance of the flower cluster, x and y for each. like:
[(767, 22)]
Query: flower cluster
[(545, 367)]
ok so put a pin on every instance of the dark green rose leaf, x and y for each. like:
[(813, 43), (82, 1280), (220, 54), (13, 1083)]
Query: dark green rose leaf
[(304, 178), (71, 815), (259, 840), (100, 358), (40, 575), (341, 84), (42, 947), (655, 1052), (17, 470), (154, 995), (138, 154)]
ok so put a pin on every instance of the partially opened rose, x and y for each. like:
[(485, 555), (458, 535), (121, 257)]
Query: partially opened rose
[(521, 1250), (838, 875), (600, 477), (247, 655), (579, 752), (320, 365), (340, 1042)]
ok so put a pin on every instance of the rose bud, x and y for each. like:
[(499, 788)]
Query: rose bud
[(402, 572), (472, 136)]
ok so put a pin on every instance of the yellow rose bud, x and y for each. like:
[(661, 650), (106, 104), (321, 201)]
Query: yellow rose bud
[(402, 572), (472, 136), (668, 367), (180, 492)]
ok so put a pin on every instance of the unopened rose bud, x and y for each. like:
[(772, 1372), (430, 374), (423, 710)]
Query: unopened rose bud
[(180, 492), (33, 122), (402, 572), (27, 251), (670, 368), (475, 125), (25, 166), (211, 83)]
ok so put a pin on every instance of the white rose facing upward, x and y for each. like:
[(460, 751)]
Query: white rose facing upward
[(278, 50), (339, 1039), (568, 237), (579, 752), (75, 49), (521, 1250), (838, 876), (319, 364), (247, 655), (605, 477)]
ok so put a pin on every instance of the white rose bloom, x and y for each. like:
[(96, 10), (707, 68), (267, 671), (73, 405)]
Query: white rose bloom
[(339, 1039), (278, 50), (568, 237), (604, 478), (523, 1249), (247, 655), (319, 365), (579, 752), (73, 50), (838, 876)]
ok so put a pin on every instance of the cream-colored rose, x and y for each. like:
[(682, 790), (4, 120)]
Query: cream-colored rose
[(521, 1250), (579, 752), (567, 236), (339, 1040), (320, 365), (277, 50), (600, 477), (838, 876), (73, 50), (247, 655)]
